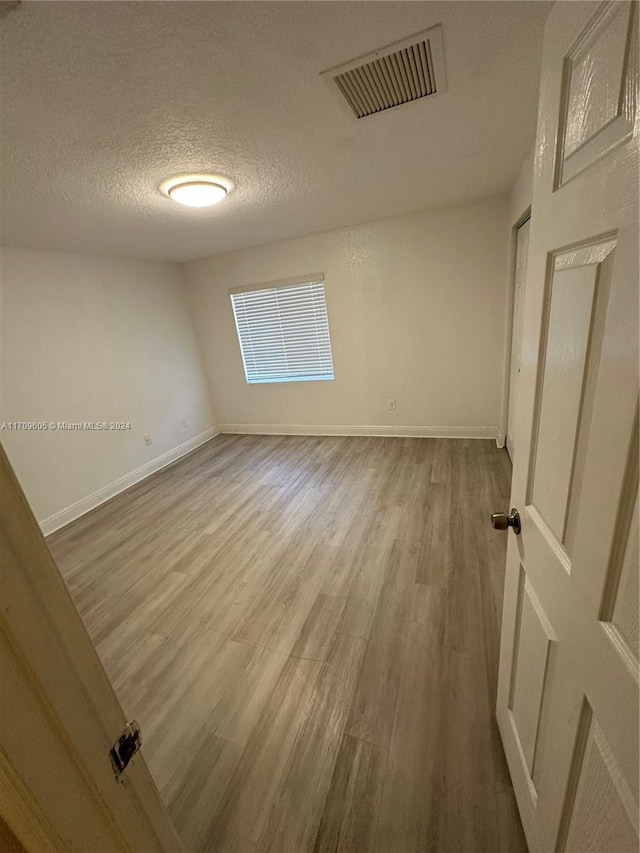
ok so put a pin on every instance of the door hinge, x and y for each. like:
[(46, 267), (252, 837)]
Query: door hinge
[(126, 746)]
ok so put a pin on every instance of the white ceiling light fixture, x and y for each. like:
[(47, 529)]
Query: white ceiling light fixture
[(197, 190), (197, 193)]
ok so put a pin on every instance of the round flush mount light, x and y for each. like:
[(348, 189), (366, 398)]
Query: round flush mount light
[(197, 190), (197, 194)]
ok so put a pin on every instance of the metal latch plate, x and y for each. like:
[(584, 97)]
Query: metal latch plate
[(126, 746)]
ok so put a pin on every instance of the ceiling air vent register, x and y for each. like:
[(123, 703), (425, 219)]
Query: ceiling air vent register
[(398, 74)]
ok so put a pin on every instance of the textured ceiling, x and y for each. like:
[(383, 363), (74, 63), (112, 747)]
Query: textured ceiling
[(103, 100)]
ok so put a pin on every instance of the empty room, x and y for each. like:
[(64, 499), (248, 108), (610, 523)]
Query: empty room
[(319, 427)]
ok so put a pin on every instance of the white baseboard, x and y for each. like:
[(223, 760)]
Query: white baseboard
[(70, 513), (501, 440), (391, 431)]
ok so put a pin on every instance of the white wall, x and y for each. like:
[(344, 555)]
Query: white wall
[(416, 313), (95, 339)]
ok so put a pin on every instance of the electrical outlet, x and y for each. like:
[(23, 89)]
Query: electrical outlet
[(392, 405), (185, 423), (147, 440)]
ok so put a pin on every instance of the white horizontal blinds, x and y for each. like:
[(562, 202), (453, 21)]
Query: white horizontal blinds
[(284, 333)]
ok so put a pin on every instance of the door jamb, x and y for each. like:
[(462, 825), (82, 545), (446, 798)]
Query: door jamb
[(510, 301)]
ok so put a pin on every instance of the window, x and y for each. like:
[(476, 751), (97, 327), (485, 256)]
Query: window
[(283, 331)]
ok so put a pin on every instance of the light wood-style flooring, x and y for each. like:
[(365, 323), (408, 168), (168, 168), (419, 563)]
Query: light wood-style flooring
[(307, 631)]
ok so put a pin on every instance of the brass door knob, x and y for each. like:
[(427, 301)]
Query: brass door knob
[(502, 521)]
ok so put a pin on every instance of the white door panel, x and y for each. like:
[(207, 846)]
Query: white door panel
[(568, 684)]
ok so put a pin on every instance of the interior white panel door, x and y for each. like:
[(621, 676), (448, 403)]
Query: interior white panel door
[(59, 716), (568, 685)]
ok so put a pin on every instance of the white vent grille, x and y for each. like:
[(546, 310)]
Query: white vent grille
[(398, 74)]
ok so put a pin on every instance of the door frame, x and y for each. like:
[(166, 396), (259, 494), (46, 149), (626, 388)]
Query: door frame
[(511, 290), (59, 712)]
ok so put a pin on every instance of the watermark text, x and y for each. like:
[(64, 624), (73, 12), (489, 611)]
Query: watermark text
[(64, 426)]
